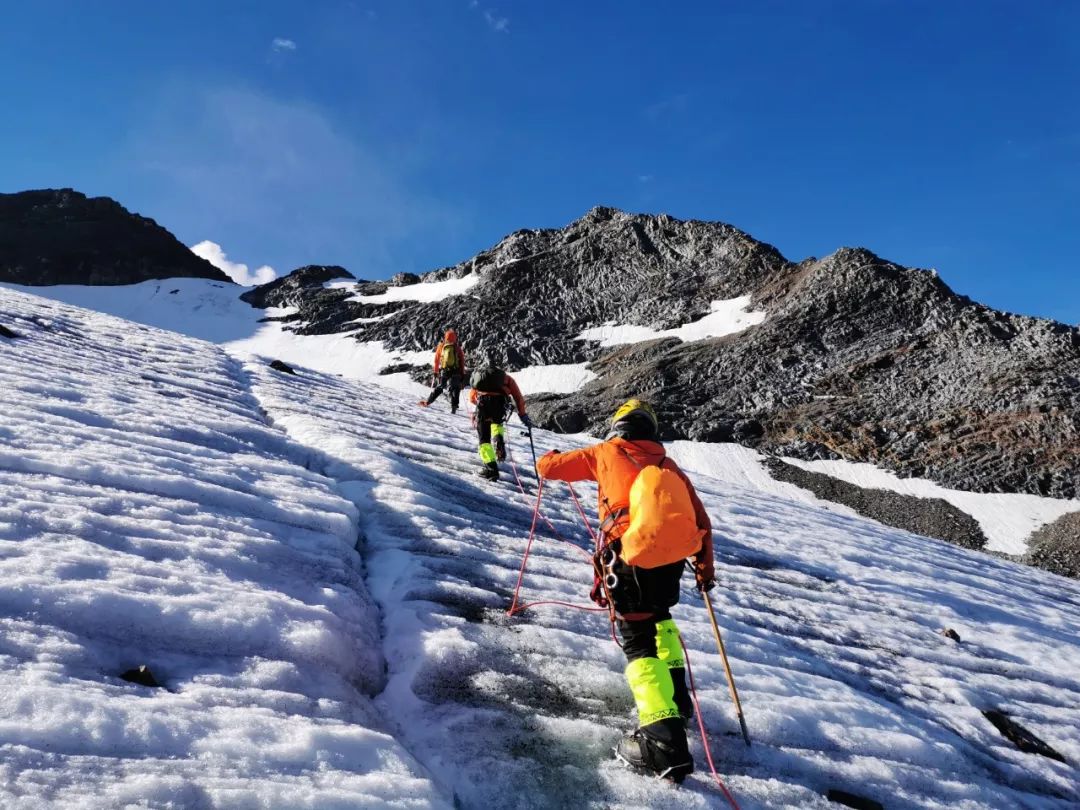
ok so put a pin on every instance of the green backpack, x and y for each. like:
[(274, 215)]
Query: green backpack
[(449, 356)]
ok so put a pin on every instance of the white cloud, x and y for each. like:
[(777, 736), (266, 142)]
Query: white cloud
[(497, 23), (282, 44), (213, 253)]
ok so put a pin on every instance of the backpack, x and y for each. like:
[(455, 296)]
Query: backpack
[(449, 356), (489, 379), (663, 525)]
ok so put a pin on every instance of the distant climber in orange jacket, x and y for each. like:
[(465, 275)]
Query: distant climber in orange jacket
[(494, 392), (449, 370), (641, 597)]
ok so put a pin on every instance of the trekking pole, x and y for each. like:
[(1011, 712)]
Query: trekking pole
[(533, 448), (727, 668)]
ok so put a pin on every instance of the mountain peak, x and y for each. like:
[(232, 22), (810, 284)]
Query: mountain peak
[(61, 236)]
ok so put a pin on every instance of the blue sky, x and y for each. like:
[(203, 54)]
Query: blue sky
[(410, 134)]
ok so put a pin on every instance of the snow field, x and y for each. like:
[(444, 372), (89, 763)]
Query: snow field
[(149, 515), (832, 623), (199, 515)]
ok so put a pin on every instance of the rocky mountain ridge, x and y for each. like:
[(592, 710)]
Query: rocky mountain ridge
[(60, 236), (857, 357)]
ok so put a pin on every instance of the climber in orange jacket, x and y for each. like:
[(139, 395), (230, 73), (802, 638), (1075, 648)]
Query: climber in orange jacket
[(642, 597), (449, 370), (494, 393)]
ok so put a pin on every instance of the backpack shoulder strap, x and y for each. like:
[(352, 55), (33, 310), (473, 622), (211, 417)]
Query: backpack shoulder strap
[(637, 463)]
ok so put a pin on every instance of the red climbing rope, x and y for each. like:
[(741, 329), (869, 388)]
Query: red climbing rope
[(701, 726), (550, 525), (514, 607), (528, 547)]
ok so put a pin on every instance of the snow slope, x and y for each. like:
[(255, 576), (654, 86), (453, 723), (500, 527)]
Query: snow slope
[(163, 502), (149, 515)]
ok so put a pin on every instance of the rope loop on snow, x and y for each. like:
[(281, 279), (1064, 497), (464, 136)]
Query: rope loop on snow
[(514, 606)]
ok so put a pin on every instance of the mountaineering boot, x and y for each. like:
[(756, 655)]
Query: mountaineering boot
[(490, 471), (659, 748), (659, 744), (500, 448)]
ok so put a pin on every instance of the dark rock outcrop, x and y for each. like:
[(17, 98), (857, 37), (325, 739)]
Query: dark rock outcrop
[(1020, 736), (857, 358), (282, 366), (140, 675), (853, 800), (5, 332), (1056, 546), (930, 517), (59, 236)]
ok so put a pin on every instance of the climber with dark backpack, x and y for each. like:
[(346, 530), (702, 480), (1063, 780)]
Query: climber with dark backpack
[(651, 521), (495, 395), (449, 370)]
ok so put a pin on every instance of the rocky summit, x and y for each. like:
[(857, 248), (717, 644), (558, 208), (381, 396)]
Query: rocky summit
[(59, 236), (850, 356)]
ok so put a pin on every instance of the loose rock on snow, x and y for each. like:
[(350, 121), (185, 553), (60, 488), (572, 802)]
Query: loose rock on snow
[(851, 800), (140, 675), (1020, 736), (279, 365)]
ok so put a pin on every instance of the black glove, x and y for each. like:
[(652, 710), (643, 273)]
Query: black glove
[(526, 421)]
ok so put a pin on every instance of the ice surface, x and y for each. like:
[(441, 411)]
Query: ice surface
[(150, 515), (167, 503)]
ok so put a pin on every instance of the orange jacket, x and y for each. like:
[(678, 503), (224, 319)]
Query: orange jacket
[(606, 464), (457, 350), (509, 388)]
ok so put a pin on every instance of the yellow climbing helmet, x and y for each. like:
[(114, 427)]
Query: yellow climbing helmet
[(636, 406)]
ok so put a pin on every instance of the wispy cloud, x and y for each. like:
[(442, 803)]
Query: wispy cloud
[(495, 20), (281, 44), (497, 23), (278, 176), (238, 272)]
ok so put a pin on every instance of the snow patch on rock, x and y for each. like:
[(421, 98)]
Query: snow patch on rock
[(555, 379), (726, 318), (1007, 519), (425, 291)]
